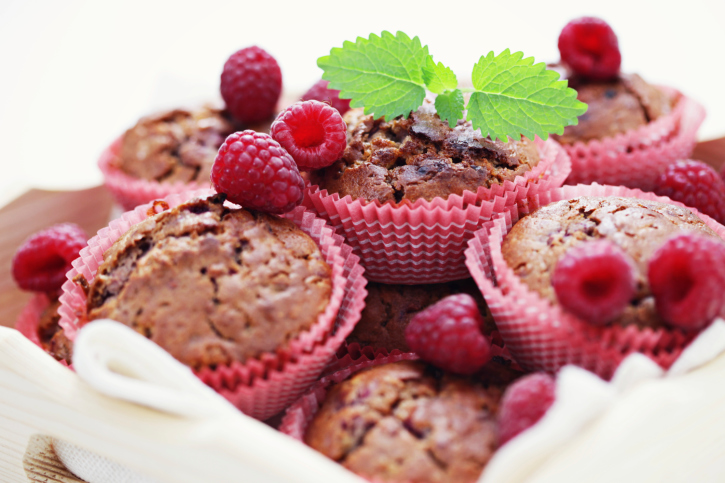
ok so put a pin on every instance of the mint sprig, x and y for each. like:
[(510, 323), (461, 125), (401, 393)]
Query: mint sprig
[(383, 74), (511, 95)]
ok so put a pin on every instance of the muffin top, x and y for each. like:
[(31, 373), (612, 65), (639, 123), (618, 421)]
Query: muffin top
[(420, 156), (174, 146), (406, 421), (389, 309), (615, 107), (639, 227), (211, 284)]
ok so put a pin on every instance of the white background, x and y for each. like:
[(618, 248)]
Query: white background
[(75, 74)]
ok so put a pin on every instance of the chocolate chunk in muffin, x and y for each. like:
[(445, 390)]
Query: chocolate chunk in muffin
[(52, 338), (389, 309), (212, 284), (406, 421), (614, 107), (639, 227), (420, 156), (174, 146)]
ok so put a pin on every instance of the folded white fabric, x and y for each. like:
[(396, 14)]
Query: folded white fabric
[(582, 397), (120, 363)]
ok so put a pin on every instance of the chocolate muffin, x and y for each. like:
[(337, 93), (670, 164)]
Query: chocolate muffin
[(420, 156), (615, 107), (389, 309), (639, 227), (174, 146), (408, 422), (52, 338), (212, 284)]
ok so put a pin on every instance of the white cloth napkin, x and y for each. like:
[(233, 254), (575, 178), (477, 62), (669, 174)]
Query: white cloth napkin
[(581, 397), (120, 363)]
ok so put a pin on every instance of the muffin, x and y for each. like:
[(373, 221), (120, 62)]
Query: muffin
[(420, 157), (615, 107), (165, 153), (389, 309), (407, 421), (639, 227), (212, 284), (174, 146), (515, 279), (408, 193)]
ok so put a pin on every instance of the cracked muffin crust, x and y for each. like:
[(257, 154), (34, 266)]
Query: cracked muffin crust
[(406, 421), (639, 227), (420, 156), (174, 146), (615, 107), (389, 309), (212, 284)]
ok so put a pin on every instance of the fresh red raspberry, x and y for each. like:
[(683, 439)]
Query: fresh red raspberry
[(312, 132), (589, 47), (695, 184), (524, 403), (254, 171), (594, 281), (448, 335), (320, 92), (687, 278), (41, 262), (251, 84)]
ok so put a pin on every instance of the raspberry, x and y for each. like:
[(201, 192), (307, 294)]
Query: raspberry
[(524, 403), (251, 84), (254, 171), (594, 281), (320, 92), (448, 335), (696, 185), (312, 132), (687, 278), (41, 262), (589, 47)]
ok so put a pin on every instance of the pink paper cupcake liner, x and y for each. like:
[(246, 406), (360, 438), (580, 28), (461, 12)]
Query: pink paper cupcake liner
[(542, 336), (636, 158), (263, 386), (28, 321), (131, 192), (299, 415), (423, 242)]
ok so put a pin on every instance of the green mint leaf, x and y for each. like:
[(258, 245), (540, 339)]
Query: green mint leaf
[(383, 74), (437, 77), (450, 106), (513, 96)]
